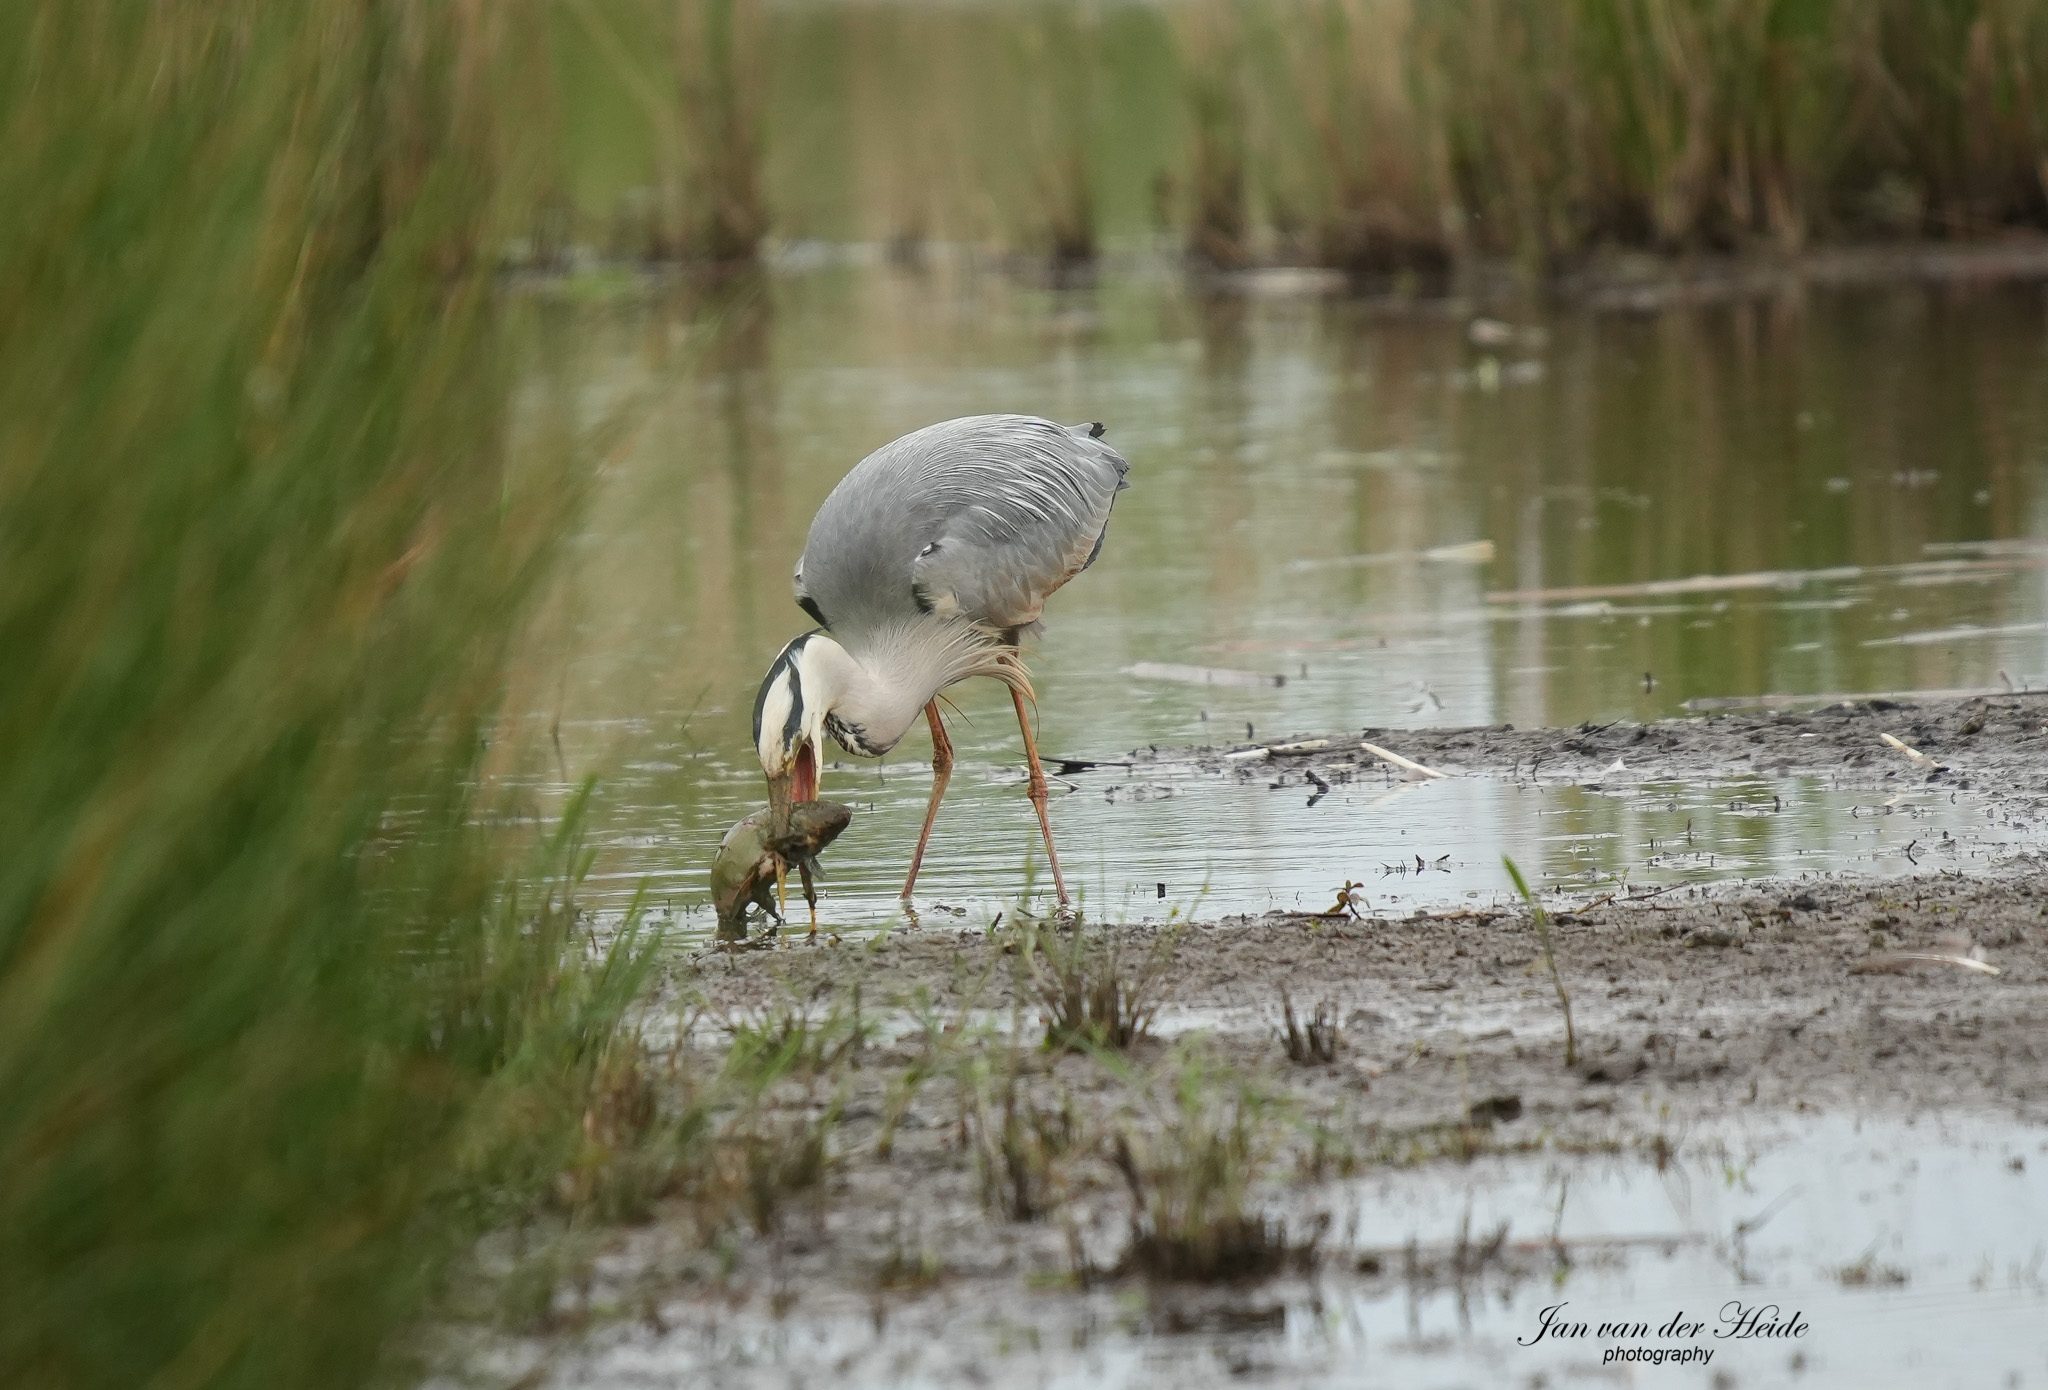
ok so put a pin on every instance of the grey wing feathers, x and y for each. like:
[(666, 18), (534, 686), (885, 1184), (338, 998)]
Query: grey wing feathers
[(982, 518)]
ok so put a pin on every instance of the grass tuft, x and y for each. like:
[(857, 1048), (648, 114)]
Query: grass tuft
[(1312, 1045), (1192, 1217), (1093, 996), (1541, 920), (1015, 1144), (794, 1041), (767, 1164)]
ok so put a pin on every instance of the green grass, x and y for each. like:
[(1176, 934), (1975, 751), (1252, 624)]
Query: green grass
[(1194, 1214), (1211, 42), (1389, 138), (1092, 993), (1425, 134), (280, 1027), (1540, 919)]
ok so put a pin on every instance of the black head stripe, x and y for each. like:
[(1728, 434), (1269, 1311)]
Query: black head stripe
[(786, 661), (810, 606)]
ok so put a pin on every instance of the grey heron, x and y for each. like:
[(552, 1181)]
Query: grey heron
[(926, 566)]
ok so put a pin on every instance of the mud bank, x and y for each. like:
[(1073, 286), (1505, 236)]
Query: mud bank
[(1780, 995), (1997, 743), (1769, 1102)]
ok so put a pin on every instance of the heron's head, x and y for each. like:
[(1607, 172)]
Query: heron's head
[(789, 721)]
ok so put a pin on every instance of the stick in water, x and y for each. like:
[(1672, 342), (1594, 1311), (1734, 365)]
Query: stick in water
[(1416, 771)]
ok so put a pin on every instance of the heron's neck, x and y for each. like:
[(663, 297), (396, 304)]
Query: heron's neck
[(884, 676)]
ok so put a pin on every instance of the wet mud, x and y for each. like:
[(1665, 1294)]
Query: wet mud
[(1997, 743), (1811, 1092)]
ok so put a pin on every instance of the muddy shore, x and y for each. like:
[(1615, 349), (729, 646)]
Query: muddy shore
[(1988, 742), (1710, 1023)]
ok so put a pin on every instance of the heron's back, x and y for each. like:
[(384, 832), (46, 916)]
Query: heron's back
[(980, 518)]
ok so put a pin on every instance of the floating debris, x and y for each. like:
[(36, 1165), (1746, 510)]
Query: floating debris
[(1463, 553), (1960, 633), (1202, 675), (1776, 579), (2016, 546), (1067, 767)]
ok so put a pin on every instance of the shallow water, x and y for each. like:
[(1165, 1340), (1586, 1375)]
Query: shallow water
[(1910, 1252), (1915, 1247), (1311, 480)]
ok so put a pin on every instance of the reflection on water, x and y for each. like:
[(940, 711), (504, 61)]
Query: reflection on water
[(1310, 480), (1912, 1253), (1890, 1239)]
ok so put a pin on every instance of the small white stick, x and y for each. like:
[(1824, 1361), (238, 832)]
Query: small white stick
[(1898, 962), (1416, 771), (1915, 754), (1307, 745)]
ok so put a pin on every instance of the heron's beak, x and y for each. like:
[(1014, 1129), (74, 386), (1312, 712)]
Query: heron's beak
[(792, 787)]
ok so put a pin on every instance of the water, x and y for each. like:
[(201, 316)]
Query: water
[(1911, 1253), (1313, 481), (1916, 1240)]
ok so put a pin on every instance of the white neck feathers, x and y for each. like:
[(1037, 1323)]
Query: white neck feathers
[(871, 690)]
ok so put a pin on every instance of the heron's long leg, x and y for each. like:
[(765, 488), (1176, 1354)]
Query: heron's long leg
[(1038, 792), (942, 772)]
